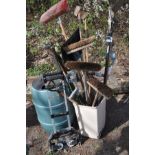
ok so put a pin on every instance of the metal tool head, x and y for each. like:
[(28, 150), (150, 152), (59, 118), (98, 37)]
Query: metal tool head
[(77, 10)]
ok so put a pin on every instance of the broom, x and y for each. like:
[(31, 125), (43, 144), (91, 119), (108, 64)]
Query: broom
[(82, 66)]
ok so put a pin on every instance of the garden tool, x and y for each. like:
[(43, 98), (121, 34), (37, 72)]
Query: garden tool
[(77, 10), (82, 44), (84, 66), (56, 11), (109, 53), (75, 37), (82, 17), (77, 14), (85, 28)]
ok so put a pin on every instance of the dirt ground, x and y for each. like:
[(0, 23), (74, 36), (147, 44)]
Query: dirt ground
[(115, 136), (114, 139)]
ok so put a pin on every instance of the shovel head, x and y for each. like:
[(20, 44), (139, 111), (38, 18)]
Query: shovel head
[(55, 11)]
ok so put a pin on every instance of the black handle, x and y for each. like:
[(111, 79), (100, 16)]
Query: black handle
[(53, 76), (54, 73), (60, 114)]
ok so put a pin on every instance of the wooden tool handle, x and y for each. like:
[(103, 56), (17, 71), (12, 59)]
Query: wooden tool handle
[(95, 99), (79, 44), (86, 53), (63, 31)]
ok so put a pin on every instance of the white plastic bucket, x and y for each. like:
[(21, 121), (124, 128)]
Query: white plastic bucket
[(91, 120)]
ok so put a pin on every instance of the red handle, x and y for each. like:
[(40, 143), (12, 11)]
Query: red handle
[(55, 11)]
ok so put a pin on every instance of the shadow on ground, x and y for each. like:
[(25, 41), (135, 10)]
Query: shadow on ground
[(114, 139), (29, 58), (31, 116), (117, 113), (115, 136)]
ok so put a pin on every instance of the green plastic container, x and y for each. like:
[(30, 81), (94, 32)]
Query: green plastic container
[(41, 99)]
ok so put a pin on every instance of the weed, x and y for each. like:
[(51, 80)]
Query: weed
[(40, 69), (102, 53), (34, 51), (126, 38), (50, 153)]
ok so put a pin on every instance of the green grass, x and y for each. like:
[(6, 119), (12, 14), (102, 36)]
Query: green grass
[(50, 153), (126, 39), (38, 35), (40, 69)]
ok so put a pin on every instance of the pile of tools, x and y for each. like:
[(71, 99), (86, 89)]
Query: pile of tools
[(86, 81), (75, 59)]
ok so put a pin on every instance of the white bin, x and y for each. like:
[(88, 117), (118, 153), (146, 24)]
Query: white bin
[(91, 120)]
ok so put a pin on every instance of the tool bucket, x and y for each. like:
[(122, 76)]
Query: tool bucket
[(91, 120), (42, 98)]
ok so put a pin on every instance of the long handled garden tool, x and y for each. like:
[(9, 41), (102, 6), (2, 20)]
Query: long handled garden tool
[(102, 88), (109, 53), (55, 12), (82, 17), (80, 45), (85, 28)]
